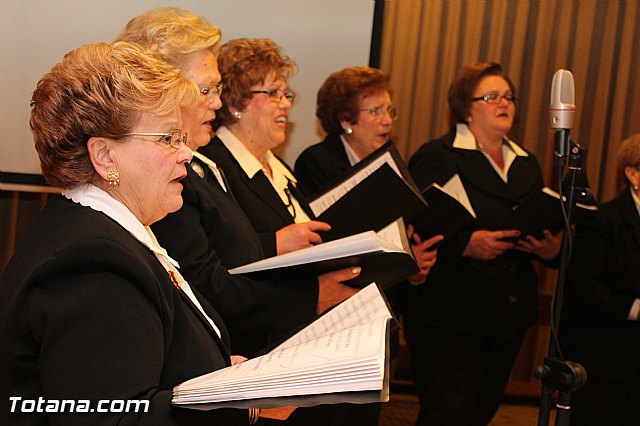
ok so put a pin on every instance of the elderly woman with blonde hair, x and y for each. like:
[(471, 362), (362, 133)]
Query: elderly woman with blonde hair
[(600, 326), (211, 232), (95, 315)]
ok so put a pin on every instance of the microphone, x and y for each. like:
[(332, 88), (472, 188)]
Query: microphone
[(561, 111)]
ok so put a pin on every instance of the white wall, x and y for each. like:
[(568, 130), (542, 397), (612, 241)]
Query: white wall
[(321, 36)]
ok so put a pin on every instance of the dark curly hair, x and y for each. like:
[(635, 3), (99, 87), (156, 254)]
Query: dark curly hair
[(340, 95)]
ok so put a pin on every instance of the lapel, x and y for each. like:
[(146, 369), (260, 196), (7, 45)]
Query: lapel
[(336, 149), (262, 188), (301, 200), (630, 215), (204, 172), (475, 169), (223, 341)]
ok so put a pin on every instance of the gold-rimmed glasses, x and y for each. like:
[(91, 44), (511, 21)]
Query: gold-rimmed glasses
[(174, 138)]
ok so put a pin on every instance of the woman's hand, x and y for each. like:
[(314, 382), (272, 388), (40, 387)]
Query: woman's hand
[(237, 359), (331, 291), (425, 254), (487, 245), (299, 235), (547, 248)]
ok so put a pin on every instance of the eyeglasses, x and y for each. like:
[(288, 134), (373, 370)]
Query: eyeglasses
[(175, 138), (214, 89), (378, 112), (276, 95), (289, 205), (495, 98)]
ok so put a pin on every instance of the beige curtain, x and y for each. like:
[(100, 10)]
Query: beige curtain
[(425, 43)]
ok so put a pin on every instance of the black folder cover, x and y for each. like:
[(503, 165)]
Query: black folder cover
[(375, 202), (542, 210), (444, 215), (384, 268)]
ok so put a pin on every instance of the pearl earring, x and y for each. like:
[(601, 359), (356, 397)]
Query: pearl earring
[(237, 115), (348, 131), (635, 187), (469, 120)]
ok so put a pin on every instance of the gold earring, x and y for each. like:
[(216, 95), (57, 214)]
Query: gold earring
[(114, 179)]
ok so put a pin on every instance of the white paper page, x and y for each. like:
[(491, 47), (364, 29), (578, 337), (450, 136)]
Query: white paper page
[(364, 342), (365, 242), (455, 188), (556, 195), (391, 234), (363, 306), (319, 205)]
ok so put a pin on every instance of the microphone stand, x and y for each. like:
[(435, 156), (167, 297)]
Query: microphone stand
[(558, 373)]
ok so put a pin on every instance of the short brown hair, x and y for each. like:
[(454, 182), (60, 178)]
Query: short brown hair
[(173, 33), (628, 156), (339, 96), (461, 90), (244, 63), (98, 89)]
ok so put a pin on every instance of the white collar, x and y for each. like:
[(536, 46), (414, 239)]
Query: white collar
[(249, 163), (89, 195), (636, 201), (351, 154), (465, 140)]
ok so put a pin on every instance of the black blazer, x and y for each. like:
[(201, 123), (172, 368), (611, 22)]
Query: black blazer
[(493, 299), (321, 164), (603, 280), (89, 313), (210, 234), (257, 197)]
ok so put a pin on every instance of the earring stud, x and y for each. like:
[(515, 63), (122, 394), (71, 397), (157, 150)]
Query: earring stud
[(237, 115), (348, 131)]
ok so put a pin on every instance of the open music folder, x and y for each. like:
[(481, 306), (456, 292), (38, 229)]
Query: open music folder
[(343, 356), (385, 257), (378, 190), (542, 210), (448, 212)]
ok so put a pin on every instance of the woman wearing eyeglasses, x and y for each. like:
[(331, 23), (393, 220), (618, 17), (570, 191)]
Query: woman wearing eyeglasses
[(93, 311), (257, 102), (256, 105), (210, 233), (464, 327), (355, 109)]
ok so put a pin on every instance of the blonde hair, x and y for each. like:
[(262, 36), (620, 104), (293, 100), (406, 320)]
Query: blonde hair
[(99, 89), (628, 156), (172, 32), (244, 63)]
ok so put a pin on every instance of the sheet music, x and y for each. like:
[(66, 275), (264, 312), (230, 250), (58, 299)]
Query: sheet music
[(359, 308), (344, 350), (322, 203)]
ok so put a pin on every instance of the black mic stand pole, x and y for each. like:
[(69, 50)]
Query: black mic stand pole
[(558, 373)]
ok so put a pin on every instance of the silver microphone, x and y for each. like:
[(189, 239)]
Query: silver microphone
[(563, 100)]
